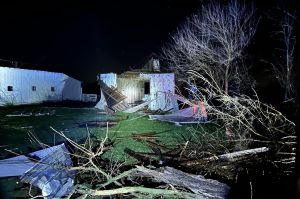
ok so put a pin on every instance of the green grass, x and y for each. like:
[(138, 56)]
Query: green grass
[(168, 135), (14, 130)]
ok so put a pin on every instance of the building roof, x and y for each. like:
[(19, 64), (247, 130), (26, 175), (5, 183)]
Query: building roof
[(136, 73), (34, 70)]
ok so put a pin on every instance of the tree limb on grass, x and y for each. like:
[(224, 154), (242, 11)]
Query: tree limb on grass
[(126, 190)]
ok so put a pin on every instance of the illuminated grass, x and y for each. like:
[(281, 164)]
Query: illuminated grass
[(14, 130), (168, 135)]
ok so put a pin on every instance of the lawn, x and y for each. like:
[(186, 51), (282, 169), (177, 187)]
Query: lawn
[(14, 131), (168, 135)]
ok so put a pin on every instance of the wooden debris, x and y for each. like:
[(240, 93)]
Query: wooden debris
[(229, 157), (138, 107), (220, 166), (27, 113), (136, 189), (150, 157), (96, 124), (202, 187)]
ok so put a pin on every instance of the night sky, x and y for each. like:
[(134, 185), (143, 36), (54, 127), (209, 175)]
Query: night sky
[(83, 39)]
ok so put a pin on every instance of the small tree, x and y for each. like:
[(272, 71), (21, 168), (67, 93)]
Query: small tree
[(283, 68), (212, 42)]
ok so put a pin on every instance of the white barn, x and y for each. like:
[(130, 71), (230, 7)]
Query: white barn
[(23, 86), (141, 85)]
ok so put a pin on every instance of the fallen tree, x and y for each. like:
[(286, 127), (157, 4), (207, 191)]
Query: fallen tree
[(99, 177), (200, 186)]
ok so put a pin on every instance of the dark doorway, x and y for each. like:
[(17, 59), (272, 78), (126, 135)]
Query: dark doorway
[(147, 88), (10, 88)]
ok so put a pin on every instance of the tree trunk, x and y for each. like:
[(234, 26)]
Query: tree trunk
[(202, 187), (226, 79), (229, 157)]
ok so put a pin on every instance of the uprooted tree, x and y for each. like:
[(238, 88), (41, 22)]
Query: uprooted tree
[(212, 42)]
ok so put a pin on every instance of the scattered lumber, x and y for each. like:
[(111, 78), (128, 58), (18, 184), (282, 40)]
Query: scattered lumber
[(20, 114), (27, 113)]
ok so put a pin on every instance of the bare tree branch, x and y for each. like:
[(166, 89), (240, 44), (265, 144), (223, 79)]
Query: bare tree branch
[(212, 42)]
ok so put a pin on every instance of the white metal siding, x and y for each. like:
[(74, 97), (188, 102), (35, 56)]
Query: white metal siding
[(160, 85), (72, 89), (22, 81)]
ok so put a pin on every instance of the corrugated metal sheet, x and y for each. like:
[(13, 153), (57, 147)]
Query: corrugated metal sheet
[(51, 174)]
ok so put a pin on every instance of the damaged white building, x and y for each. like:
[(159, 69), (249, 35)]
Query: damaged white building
[(134, 87), (23, 86)]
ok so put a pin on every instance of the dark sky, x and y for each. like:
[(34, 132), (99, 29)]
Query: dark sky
[(83, 39)]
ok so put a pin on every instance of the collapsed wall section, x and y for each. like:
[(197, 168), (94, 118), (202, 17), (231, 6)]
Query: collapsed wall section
[(110, 79)]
